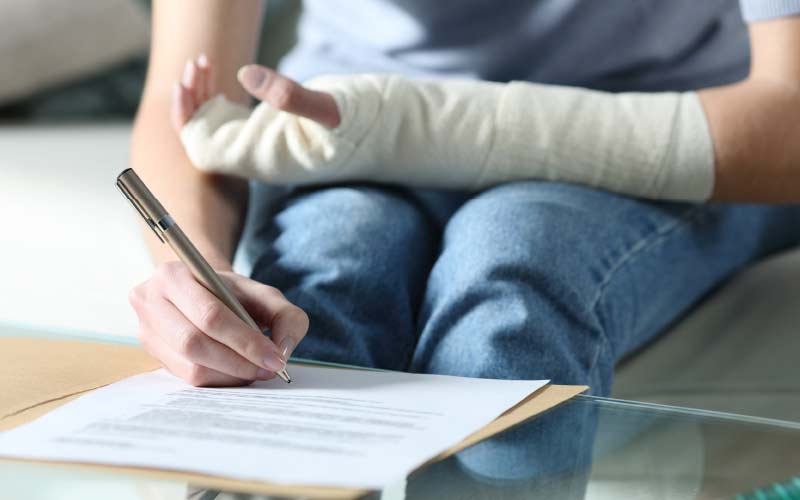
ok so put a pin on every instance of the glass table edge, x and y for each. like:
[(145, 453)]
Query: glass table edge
[(42, 331)]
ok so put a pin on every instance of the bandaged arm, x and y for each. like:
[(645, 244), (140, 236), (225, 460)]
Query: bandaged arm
[(466, 135)]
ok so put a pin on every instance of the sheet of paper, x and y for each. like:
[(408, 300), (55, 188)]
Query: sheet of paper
[(330, 427)]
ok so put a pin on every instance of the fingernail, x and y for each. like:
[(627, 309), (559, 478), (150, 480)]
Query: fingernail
[(202, 61), (263, 374), (287, 347), (274, 362), (188, 74), (252, 77)]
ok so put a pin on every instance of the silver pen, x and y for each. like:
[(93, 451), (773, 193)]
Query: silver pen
[(167, 231)]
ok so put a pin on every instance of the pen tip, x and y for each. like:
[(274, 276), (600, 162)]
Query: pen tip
[(283, 374)]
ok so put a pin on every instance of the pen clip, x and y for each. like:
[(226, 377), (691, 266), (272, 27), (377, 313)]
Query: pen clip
[(138, 207)]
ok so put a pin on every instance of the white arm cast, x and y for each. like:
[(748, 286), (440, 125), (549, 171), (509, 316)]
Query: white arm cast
[(467, 135)]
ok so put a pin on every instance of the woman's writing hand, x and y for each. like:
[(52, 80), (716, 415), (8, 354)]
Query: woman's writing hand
[(197, 338)]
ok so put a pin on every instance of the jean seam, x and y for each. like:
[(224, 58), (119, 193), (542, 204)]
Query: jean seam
[(601, 346), (638, 248)]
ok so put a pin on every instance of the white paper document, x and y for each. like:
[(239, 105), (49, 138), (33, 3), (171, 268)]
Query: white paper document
[(329, 427)]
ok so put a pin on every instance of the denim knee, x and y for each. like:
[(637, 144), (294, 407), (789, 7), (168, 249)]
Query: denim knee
[(510, 294), (355, 259)]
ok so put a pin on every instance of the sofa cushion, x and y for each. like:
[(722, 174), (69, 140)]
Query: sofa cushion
[(45, 43)]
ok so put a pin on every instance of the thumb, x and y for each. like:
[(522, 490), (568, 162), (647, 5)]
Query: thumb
[(287, 95)]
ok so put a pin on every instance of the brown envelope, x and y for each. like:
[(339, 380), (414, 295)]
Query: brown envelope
[(38, 375)]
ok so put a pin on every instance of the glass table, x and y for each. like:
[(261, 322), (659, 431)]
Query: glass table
[(587, 448)]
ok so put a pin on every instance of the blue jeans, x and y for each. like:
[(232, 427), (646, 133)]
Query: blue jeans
[(527, 280)]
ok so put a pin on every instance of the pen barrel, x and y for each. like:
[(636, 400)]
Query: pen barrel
[(203, 272)]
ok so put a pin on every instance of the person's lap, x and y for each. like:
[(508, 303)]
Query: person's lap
[(525, 280)]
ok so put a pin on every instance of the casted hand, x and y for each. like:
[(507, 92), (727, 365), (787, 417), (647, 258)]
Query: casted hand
[(196, 87), (197, 338)]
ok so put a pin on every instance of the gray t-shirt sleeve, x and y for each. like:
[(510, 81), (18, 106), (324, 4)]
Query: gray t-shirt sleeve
[(760, 10)]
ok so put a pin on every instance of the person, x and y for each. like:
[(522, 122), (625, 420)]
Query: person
[(528, 279)]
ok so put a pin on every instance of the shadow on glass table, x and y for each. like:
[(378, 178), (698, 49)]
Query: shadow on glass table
[(595, 448)]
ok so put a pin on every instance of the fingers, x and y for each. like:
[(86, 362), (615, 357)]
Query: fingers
[(193, 81), (142, 298), (185, 339), (194, 89), (182, 106), (287, 322), (205, 76), (211, 317), (288, 95), (196, 337), (195, 374)]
